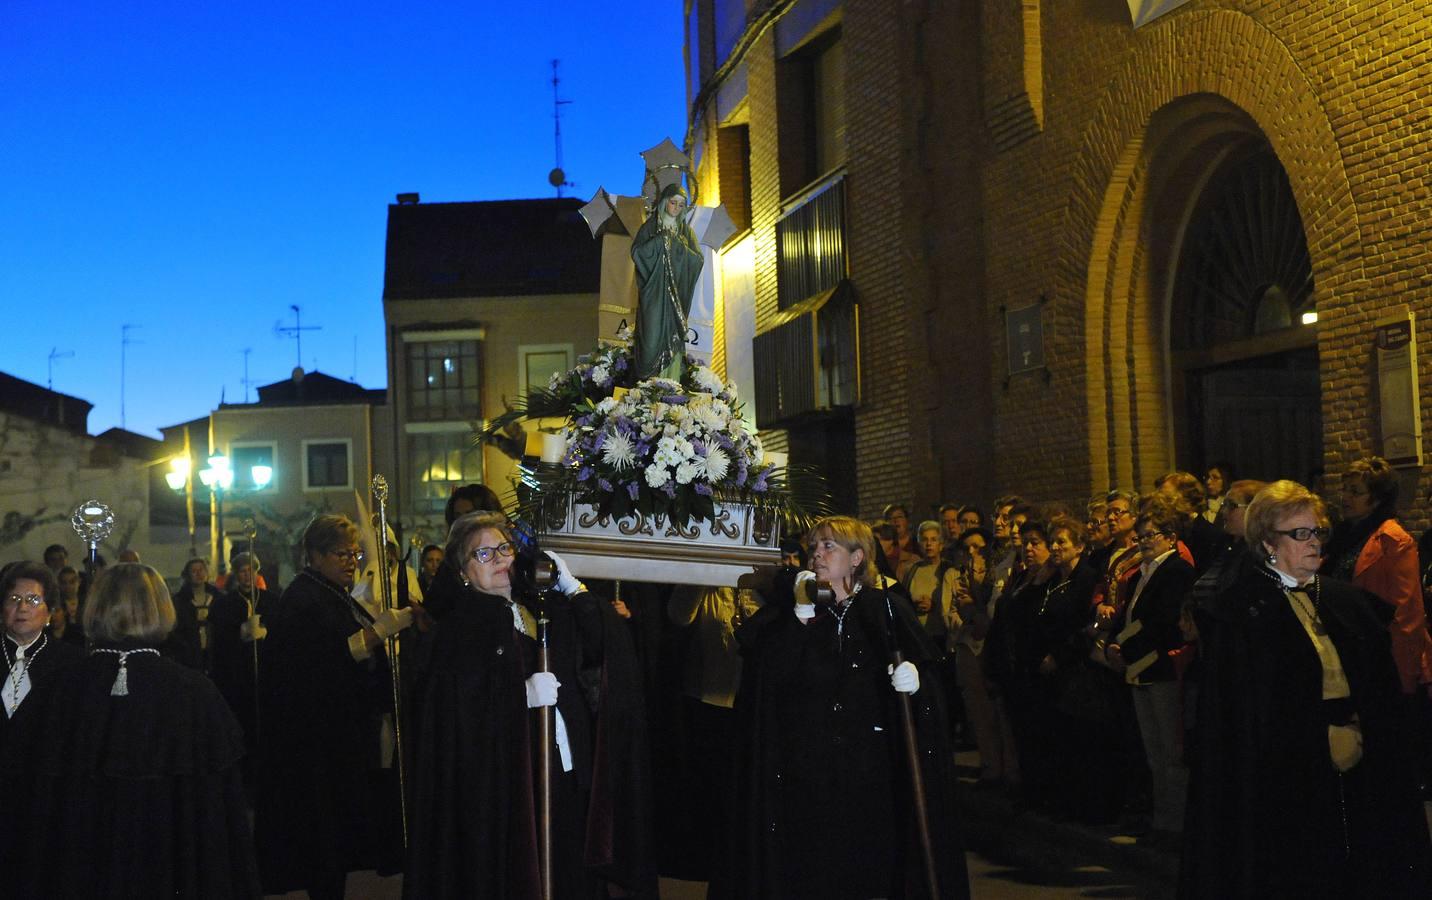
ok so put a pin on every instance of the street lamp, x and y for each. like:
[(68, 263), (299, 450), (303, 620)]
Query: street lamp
[(218, 477)]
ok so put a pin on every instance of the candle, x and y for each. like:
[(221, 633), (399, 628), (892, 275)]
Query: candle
[(554, 447)]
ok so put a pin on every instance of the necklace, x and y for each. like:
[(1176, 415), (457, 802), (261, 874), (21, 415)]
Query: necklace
[(1309, 607), (841, 611), (27, 658), (121, 679)]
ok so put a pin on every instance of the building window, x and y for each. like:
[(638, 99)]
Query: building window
[(242, 459), (327, 465), (441, 461), (443, 380), (810, 109), (537, 363)]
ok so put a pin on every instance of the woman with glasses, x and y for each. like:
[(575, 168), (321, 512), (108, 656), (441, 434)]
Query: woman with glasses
[(1301, 784), (1146, 634), (473, 819), (32, 654), (326, 792)]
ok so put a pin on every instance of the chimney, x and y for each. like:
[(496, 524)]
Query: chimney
[(409, 199)]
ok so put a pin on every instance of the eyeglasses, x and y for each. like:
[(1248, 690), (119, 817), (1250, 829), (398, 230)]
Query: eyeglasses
[(1116, 513), (485, 555), (32, 600), (354, 555), (1149, 538), (1303, 535)]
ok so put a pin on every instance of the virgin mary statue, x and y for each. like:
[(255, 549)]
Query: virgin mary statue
[(668, 263)]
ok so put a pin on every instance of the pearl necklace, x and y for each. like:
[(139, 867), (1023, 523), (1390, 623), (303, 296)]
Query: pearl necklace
[(27, 659)]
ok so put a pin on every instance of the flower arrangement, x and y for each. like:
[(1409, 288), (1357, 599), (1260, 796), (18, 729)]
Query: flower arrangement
[(652, 448)]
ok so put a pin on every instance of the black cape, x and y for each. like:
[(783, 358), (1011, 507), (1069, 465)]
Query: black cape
[(128, 796), (473, 823), (822, 789), (324, 805), (1268, 815), (232, 658), (56, 655)]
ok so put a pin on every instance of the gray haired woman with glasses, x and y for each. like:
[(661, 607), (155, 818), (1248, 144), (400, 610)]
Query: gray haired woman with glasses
[(1301, 779)]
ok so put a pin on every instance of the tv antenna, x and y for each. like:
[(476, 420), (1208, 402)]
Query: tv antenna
[(557, 177), (246, 382), (124, 342), (55, 353), (296, 331)]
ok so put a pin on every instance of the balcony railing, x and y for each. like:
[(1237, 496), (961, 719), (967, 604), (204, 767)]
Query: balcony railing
[(810, 242), (809, 361)]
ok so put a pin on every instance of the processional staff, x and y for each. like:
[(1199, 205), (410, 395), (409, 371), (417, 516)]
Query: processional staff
[(254, 625), (912, 758), (92, 521), (545, 577), (380, 499)]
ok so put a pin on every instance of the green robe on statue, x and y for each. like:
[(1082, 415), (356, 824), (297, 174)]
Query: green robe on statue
[(668, 263)]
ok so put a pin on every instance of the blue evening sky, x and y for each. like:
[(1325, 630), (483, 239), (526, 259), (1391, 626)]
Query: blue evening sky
[(195, 168)]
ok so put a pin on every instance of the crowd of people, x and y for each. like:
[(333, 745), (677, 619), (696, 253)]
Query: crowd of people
[(1231, 669)]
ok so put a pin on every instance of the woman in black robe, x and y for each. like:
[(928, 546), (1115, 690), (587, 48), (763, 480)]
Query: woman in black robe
[(130, 785), (1302, 785), (326, 788), (823, 790), (235, 632), (474, 823), (32, 653)]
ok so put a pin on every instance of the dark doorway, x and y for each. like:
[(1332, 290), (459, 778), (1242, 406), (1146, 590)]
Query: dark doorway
[(1263, 415), (1241, 326)]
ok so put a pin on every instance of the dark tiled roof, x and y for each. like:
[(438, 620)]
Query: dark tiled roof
[(489, 249), (313, 389), (138, 446), (25, 398)]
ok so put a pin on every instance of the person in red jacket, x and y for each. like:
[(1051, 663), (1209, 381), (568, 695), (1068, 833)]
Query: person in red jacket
[(1370, 549)]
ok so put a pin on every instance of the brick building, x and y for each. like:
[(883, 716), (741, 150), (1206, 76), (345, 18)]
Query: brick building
[(1188, 230)]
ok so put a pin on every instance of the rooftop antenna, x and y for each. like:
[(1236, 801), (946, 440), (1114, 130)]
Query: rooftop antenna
[(55, 354), (124, 342), (557, 177), (246, 382), (354, 377), (296, 331)]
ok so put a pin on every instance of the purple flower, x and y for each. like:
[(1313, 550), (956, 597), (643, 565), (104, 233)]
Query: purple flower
[(633, 489), (621, 364), (703, 489), (759, 485), (677, 399), (604, 485), (669, 489), (584, 473)]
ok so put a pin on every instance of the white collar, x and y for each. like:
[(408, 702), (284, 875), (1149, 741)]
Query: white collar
[(1288, 581), (1150, 565), (23, 647)]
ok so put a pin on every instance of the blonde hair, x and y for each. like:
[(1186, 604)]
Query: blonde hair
[(852, 534), (1275, 502), (327, 533), (128, 602)]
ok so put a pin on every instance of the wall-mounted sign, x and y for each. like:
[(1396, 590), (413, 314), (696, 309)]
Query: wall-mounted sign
[(1024, 333), (1395, 339)]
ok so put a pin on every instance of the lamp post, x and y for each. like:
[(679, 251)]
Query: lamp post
[(218, 477)]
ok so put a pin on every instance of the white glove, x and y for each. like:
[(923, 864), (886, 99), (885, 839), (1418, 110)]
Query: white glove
[(905, 679), (804, 611), (542, 690), (253, 629), (391, 621), (567, 583)]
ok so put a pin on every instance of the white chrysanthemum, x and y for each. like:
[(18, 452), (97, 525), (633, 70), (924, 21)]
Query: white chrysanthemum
[(667, 453), (606, 405), (711, 419), (555, 380), (619, 452), (717, 464), (687, 471), (657, 476), (600, 374), (706, 380)]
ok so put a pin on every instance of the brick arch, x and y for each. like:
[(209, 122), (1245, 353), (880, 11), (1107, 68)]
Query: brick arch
[(1246, 65)]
